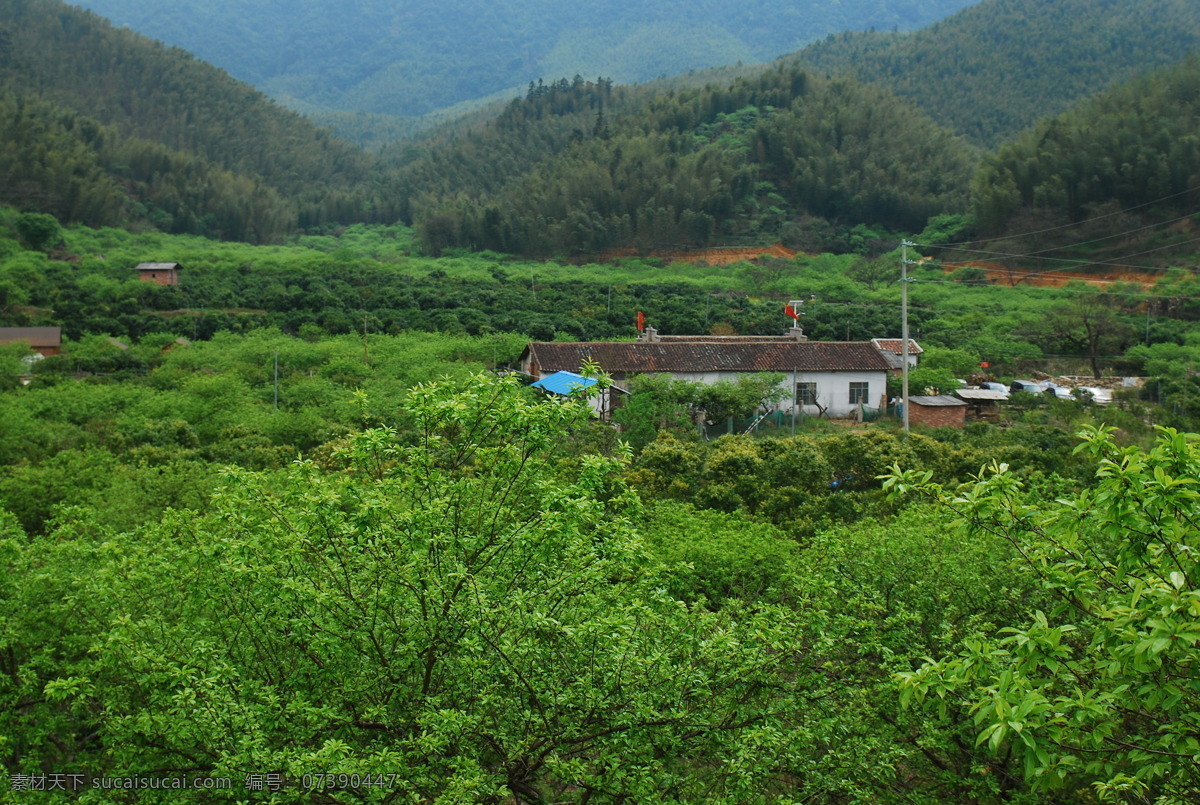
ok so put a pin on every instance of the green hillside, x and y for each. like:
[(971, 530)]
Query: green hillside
[(154, 135), (574, 168), (995, 68), (581, 167), (1126, 157), (157, 138)]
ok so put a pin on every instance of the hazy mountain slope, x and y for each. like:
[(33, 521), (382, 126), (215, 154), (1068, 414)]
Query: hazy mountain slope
[(995, 68), (177, 133), (385, 57)]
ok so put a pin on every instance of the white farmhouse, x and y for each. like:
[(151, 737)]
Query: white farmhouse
[(830, 378)]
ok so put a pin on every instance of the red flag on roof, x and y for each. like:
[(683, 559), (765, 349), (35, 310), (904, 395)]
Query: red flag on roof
[(791, 311), (641, 321)]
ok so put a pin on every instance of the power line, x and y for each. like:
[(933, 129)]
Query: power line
[(1076, 223), (1020, 274), (1094, 240), (1112, 263), (1077, 291)]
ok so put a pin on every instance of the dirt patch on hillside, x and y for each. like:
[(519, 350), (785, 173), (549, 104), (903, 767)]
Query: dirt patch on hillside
[(1004, 275), (716, 256)]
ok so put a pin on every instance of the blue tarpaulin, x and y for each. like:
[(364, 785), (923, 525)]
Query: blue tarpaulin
[(564, 382)]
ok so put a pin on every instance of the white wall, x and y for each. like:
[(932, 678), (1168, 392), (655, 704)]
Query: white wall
[(833, 388)]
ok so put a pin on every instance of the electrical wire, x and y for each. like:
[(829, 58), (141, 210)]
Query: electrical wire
[(1076, 291), (1076, 223), (1096, 240), (1076, 262)]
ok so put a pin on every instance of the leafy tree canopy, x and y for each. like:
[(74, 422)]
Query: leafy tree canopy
[(450, 608), (1098, 689)]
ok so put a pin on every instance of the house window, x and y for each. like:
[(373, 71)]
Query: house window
[(806, 394), (859, 393)]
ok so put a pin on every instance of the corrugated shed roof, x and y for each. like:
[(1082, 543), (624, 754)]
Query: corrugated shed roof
[(705, 356), (982, 395), (36, 336), (939, 401)]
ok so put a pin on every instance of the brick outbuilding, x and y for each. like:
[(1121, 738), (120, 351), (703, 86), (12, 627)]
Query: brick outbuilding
[(159, 273), (942, 411), (45, 341)]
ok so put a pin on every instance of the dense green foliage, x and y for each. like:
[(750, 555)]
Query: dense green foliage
[(717, 620), (463, 600), (995, 68), (367, 279), (576, 167), (373, 57), (1100, 687), (155, 419), (160, 139), (275, 520), (659, 403)]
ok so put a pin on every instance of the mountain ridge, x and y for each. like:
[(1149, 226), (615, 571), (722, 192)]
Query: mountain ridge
[(376, 58), (995, 68)]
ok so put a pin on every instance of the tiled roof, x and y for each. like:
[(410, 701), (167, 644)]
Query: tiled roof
[(728, 339), (157, 266), (36, 336), (707, 356), (896, 345)]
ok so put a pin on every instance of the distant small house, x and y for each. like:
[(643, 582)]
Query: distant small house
[(940, 411), (159, 273), (45, 341), (892, 349)]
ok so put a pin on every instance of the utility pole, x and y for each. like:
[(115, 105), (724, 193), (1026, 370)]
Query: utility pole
[(795, 401), (366, 352), (904, 261)]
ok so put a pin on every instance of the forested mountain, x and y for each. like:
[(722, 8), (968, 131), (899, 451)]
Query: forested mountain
[(156, 137), (105, 126), (995, 68), (1129, 154), (585, 166), (411, 58), (575, 167)]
